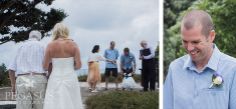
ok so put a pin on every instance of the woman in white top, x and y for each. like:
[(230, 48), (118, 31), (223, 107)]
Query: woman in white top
[(94, 76)]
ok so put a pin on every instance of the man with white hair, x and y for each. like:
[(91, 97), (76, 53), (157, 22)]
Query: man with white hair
[(26, 73), (147, 55)]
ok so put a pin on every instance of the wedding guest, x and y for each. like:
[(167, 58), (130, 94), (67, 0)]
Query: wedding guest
[(111, 67), (94, 76), (205, 78), (30, 81), (128, 67), (148, 74)]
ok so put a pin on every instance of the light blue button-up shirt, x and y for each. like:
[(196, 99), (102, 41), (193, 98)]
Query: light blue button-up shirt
[(187, 88), (127, 61), (111, 54)]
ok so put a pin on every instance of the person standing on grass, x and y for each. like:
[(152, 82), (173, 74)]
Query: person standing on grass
[(127, 67), (111, 67), (94, 76), (147, 55), (28, 78)]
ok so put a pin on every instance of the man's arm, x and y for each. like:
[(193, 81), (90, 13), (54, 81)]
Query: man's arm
[(11, 72), (49, 71), (140, 54), (134, 64), (47, 58), (168, 91), (151, 55), (105, 54), (12, 79), (121, 65), (117, 54)]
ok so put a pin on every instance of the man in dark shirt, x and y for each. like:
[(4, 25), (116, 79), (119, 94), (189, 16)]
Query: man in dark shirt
[(147, 55)]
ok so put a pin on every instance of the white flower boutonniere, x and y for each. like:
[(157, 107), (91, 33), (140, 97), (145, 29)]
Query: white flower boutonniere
[(217, 80)]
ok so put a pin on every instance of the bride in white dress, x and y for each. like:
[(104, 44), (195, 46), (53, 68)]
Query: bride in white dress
[(63, 89)]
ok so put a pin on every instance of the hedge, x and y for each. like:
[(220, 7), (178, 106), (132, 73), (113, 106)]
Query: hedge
[(123, 100), (136, 77)]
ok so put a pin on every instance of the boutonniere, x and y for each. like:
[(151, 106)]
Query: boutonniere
[(217, 80)]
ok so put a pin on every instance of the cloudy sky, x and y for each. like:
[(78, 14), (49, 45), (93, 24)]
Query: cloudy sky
[(91, 22)]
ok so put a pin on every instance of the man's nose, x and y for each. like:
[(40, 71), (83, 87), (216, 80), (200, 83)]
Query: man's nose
[(190, 47)]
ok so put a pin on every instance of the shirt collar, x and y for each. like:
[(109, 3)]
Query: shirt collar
[(32, 39), (212, 63), (127, 55)]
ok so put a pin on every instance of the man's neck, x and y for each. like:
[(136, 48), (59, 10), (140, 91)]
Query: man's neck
[(200, 66), (145, 47), (126, 54)]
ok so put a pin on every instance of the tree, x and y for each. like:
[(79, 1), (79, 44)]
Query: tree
[(172, 9), (223, 15), (4, 80), (19, 17)]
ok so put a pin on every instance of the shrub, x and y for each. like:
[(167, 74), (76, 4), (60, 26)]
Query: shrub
[(4, 78), (82, 78), (123, 100), (136, 77)]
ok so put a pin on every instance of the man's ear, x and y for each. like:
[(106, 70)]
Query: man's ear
[(212, 35)]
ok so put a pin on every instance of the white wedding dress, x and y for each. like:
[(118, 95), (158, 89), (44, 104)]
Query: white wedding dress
[(63, 90)]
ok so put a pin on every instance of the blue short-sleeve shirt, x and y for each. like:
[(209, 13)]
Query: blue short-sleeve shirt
[(127, 61), (111, 54)]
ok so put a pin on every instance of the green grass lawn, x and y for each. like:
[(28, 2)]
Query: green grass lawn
[(124, 100)]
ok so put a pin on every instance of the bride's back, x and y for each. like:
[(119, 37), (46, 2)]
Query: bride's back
[(62, 48)]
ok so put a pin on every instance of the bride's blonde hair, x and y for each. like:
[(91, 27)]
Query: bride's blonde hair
[(60, 31)]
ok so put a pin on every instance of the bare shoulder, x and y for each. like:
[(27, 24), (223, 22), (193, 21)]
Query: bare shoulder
[(72, 43), (51, 44)]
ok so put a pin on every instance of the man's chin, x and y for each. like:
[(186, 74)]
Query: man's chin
[(194, 58)]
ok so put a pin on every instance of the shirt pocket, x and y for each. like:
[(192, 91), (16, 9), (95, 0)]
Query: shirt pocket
[(215, 98), (214, 93)]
